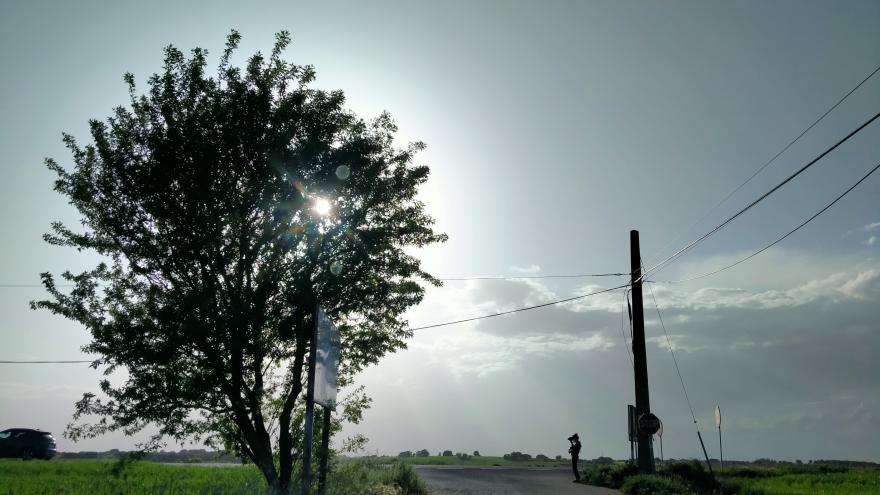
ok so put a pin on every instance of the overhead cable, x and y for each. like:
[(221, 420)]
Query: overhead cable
[(518, 310), (690, 245), (45, 362), (526, 277), (674, 359), (777, 155), (777, 241)]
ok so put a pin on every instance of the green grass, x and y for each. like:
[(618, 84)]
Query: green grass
[(141, 478), (691, 477), (474, 461), (853, 482), (94, 477)]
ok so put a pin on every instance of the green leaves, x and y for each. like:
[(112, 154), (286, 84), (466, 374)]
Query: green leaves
[(200, 196)]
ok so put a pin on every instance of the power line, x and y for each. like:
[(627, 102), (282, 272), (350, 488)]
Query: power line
[(777, 241), (518, 310), (624, 306), (451, 279), (44, 362), (19, 286), (674, 359), (680, 252), (777, 155), (526, 277)]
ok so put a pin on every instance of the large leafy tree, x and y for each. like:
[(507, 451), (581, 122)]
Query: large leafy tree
[(226, 208)]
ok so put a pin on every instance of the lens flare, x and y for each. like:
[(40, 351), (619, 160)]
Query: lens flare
[(322, 207), (336, 268)]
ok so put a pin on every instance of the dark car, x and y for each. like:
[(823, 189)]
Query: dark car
[(27, 444)]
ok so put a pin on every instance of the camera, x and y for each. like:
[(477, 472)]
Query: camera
[(573, 438)]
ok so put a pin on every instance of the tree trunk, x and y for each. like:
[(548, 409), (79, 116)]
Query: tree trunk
[(277, 488)]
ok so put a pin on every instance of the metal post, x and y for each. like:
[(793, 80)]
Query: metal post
[(706, 455), (640, 361), (721, 449), (325, 451), (310, 411), (661, 450)]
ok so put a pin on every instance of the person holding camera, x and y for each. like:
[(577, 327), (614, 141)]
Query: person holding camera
[(575, 449)]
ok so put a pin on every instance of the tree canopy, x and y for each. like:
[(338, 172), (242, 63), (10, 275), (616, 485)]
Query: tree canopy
[(226, 208)]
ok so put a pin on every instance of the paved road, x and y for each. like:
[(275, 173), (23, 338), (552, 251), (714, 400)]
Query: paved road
[(459, 480)]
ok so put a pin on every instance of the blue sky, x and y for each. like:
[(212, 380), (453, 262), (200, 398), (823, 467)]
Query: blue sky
[(553, 128)]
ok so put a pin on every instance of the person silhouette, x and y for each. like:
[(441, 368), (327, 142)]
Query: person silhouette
[(575, 449)]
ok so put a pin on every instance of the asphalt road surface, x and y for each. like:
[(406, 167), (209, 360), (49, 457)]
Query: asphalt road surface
[(461, 480)]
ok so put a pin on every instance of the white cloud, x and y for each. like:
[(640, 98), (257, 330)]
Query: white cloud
[(529, 270), (833, 288), (471, 353), (871, 240), (871, 227)]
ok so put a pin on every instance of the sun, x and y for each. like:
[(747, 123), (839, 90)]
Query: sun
[(322, 207)]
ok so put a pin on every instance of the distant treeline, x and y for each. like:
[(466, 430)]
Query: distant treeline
[(183, 456), (603, 460)]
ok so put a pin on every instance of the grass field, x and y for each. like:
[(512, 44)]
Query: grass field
[(853, 482), (147, 478), (691, 477)]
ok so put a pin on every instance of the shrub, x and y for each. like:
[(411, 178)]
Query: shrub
[(405, 454), (652, 484), (369, 477), (693, 473), (609, 475), (447, 453)]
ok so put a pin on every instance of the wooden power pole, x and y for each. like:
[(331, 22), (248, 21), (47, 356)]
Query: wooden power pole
[(640, 361)]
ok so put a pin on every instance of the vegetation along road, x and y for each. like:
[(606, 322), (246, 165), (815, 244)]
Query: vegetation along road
[(459, 480)]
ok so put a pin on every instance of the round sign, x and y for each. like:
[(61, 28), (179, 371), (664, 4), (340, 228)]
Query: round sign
[(649, 424)]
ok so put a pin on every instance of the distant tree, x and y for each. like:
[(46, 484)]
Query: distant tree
[(405, 454), (423, 453), (476, 453), (226, 209), (603, 460), (517, 456), (447, 453), (541, 457), (558, 457)]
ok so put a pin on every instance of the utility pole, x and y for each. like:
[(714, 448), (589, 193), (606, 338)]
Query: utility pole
[(640, 361)]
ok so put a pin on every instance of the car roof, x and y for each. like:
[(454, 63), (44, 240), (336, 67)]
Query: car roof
[(20, 430)]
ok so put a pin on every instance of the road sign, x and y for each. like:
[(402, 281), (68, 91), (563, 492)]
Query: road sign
[(326, 361), (649, 424)]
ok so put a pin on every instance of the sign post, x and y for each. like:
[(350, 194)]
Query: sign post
[(633, 430), (660, 434), (322, 383), (718, 424)]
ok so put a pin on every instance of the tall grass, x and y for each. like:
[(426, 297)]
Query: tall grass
[(147, 478), (854, 482), (97, 477)]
